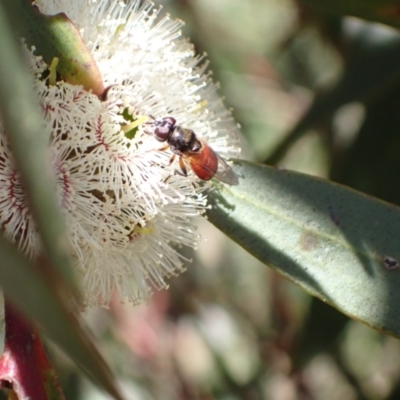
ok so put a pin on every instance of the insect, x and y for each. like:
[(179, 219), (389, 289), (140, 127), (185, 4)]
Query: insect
[(183, 142)]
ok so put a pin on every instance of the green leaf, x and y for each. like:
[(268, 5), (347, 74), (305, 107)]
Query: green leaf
[(39, 297), (37, 291), (385, 11), (29, 142), (56, 36), (336, 243)]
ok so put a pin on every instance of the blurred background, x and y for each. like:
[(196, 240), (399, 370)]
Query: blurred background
[(315, 92)]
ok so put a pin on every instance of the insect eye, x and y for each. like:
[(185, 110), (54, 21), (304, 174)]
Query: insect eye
[(162, 132), (163, 128), (170, 121)]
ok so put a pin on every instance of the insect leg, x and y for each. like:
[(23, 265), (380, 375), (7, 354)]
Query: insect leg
[(183, 171), (171, 159)]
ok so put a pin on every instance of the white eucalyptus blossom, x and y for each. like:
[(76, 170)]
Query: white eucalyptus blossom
[(127, 211)]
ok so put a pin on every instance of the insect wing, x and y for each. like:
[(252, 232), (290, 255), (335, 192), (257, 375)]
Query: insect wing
[(225, 173)]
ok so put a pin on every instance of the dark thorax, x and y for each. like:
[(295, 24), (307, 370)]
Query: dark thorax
[(184, 140)]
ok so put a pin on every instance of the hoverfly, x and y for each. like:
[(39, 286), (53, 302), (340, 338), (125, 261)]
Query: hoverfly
[(203, 160)]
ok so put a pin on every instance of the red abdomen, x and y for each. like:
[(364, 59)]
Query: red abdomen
[(204, 163)]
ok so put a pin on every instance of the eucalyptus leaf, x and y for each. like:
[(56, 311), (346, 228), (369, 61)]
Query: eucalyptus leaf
[(24, 125), (55, 36), (37, 297), (37, 291), (340, 245)]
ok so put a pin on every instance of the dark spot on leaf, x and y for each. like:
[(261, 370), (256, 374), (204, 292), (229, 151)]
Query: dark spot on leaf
[(390, 263)]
